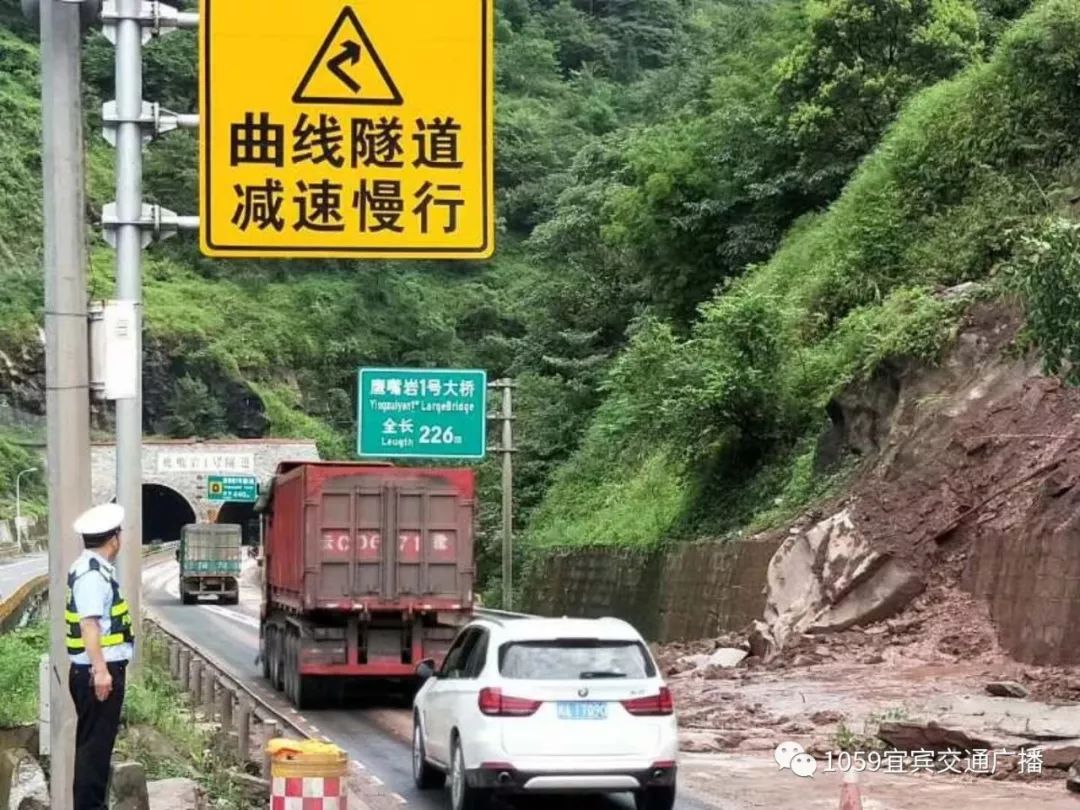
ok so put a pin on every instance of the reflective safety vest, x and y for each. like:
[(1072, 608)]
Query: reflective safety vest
[(120, 616)]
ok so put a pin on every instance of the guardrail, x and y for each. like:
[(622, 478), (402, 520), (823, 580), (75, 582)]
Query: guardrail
[(15, 606), (244, 717)]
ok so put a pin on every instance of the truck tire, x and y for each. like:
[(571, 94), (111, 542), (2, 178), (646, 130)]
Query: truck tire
[(230, 600), (264, 654), (187, 598), (302, 689)]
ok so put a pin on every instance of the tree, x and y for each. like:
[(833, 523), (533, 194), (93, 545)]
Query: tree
[(859, 62)]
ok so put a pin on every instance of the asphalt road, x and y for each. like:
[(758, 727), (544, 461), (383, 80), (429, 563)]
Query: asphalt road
[(22, 570), (231, 635)]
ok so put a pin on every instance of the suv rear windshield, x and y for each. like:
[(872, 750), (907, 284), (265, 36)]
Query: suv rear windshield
[(574, 659)]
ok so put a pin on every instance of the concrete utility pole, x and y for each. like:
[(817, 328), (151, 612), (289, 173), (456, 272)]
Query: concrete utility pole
[(507, 449), (66, 360), (129, 245)]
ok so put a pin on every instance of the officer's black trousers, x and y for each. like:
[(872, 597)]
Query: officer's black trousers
[(99, 721)]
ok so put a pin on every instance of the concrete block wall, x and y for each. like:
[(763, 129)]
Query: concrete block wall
[(690, 591)]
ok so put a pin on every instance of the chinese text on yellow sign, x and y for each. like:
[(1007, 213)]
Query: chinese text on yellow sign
[(347, 128)]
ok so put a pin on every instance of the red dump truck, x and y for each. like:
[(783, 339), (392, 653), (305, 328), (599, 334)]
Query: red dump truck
[(339, 602)]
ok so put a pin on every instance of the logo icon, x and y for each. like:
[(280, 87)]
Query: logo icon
[(584, 693), (792, 756)]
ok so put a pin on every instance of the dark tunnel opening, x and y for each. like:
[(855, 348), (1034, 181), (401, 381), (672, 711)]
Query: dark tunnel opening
[(244, 515), (165, 513)]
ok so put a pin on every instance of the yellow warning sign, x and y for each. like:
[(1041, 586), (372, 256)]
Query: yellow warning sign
[(347, 128)]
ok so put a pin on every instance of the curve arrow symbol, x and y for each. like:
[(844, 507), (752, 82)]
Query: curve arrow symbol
[(351, 53)]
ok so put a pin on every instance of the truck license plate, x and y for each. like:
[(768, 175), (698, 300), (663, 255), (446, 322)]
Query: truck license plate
[(580, 710)]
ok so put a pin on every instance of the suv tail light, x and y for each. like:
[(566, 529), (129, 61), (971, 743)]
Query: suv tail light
[(494, 703), (658, 705)]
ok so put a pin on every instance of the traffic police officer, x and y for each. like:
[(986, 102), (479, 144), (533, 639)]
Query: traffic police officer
[(100, 643)]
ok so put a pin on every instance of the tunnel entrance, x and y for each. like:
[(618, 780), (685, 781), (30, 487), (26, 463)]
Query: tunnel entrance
[(244, 515), (164, 513)]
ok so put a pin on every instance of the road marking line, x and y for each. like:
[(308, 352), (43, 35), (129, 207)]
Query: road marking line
[(399, 798), (359, 764), (376, 780)]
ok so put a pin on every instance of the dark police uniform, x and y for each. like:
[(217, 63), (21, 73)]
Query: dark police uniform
[(93, 591)]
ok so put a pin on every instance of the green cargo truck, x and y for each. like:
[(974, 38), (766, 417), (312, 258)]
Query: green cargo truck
[(209, 557)]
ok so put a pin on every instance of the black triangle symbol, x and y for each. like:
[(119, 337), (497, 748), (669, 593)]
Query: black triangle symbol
[(351, 92)]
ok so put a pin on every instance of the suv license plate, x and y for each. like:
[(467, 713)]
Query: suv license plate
[(582, 711)]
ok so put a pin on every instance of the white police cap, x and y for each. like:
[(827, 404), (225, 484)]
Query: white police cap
[(100, 520)]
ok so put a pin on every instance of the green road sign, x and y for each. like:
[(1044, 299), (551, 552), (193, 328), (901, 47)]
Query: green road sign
[(235, 488), (422, 413)]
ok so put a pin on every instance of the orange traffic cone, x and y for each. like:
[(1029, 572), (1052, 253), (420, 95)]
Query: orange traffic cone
[(850, 796)]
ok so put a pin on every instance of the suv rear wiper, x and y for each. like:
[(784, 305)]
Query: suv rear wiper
[(587, 676)]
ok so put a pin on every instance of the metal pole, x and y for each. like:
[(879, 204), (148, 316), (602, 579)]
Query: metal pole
[(18, 504), (129, 145), (66, 356), (508, 494)]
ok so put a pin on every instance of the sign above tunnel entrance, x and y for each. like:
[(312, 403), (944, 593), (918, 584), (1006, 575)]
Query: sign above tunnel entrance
[(341, 129), (232, 489), (422, 413)]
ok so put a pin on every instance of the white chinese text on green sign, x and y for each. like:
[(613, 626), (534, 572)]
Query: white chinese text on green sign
[(234, 488), (422, 413)]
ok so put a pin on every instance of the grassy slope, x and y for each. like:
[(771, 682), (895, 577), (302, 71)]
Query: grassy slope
[(970, 164)]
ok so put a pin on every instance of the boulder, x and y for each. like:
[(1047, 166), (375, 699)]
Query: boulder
[(726, 657), (762, 644), (1006, 689), (128, 787), (175, 794), (22, 781), (829, 578), (1072, 782), (1061, 754), (934, 736)]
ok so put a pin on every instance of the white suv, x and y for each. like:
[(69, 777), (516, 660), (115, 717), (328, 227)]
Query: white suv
[(533, 706)]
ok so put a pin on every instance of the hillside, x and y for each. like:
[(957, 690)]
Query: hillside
[(714, 216)]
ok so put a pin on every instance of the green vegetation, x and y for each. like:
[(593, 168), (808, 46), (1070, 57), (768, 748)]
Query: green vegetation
[(20, 652), (714, 216), (158, 728)]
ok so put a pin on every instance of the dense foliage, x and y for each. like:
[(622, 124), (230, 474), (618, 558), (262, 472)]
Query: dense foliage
[(714, 214)]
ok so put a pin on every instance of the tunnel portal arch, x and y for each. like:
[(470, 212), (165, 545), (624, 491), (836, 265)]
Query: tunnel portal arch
[(165, 512), (243, 514)]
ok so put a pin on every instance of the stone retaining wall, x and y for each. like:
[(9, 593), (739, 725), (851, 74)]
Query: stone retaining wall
[(690, 591)]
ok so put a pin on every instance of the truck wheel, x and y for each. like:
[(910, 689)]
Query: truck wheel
[(278, 661), (265, 655), (188, 598)]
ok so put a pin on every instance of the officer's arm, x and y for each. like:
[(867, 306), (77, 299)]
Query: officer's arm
[(91, 633)]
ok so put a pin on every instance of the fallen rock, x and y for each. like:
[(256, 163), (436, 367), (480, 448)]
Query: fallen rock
[(1061, 754), (726, 657), (1072, 782), (829, 578), (175, 794), (933, 736), (128, 787), (1007, 689), (762, 644), (22, 781), (826, 717)]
